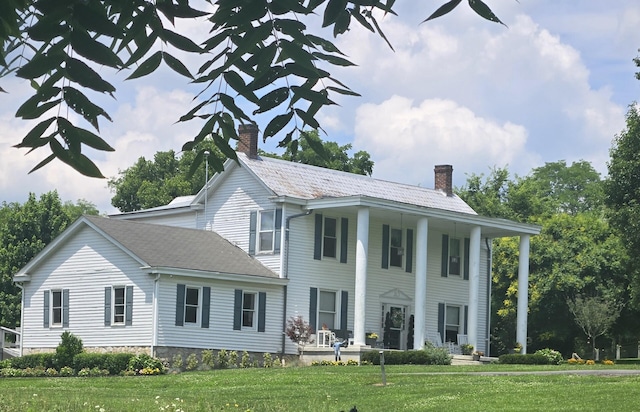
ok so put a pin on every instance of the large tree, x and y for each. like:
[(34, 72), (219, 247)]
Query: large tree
[(25, 229), (259, 54)]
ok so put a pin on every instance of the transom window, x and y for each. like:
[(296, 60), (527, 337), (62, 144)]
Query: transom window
[(191, 304), (267, 230), (249, 311), (327, 309), (330, 239), (395, 248), (56, 308), (454, 256)]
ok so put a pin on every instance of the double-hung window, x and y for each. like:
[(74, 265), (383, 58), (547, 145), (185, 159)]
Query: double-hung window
[(454, 256), (56, 308), (118, 305), (395, 248), (249, 311), (452, 323), (330, 238), (327, 309), (267, 230), (193, 305)]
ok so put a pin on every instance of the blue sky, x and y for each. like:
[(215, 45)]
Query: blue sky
[(553, 85)]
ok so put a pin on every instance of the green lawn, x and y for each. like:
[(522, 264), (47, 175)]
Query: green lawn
[(330, 388)]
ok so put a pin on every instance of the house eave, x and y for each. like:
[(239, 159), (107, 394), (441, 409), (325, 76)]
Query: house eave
[(22, 277), (212, 275)]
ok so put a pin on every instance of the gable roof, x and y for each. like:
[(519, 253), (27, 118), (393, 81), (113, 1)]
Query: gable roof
[(170, 247), (301, 181)]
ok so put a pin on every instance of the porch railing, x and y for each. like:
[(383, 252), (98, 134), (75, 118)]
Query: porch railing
[(9, 342)]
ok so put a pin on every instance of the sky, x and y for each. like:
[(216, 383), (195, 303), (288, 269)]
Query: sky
[(553, 85)]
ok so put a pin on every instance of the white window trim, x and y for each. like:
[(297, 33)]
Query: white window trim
[(337, 237), (460, 316), (113, 305), (401, 247), (255, 311), (336, 309), (259, 231), (198, 310), (52, 324)]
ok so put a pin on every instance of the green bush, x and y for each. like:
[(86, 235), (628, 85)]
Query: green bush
[(70, 346), (553, 356), (192, 362), (427, 356), (528, 359), (113, 362), (207, 358), (143, 361), (5, 364), (45, 360)]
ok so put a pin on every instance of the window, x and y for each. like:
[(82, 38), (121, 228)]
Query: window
[(56, 308), (395, 249), (327, 309), (452, 323), (249, 309), (265, 236), (191, 304), (454, 256), (330, 239), (118, 305)]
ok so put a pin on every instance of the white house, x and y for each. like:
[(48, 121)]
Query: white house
[(266, 240)]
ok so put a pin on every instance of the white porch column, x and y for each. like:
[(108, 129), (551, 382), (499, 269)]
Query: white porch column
[(360, 300), (474, 286), (419, 328), (523, 292)]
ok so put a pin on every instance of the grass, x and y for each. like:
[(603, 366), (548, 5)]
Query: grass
[(330, 388)]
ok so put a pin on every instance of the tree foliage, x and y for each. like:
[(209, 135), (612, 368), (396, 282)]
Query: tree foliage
[(594, 315), (299, 332), (25, 229), (259, 57)]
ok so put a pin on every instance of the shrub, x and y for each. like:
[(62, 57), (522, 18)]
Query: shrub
[(553, 356), (267, 361), (223, 359), (528, 359), (66, 371), (245, 362), (590, 362), (70, 346), (233, 359), (428, 356), (51, 372), (192, 362), (113, 362), (207, 358), (177, 362), (607, 362), (142, 361), (466, 348), (45, 360), (5, 364), (11, 372)]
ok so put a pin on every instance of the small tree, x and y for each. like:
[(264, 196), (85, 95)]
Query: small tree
[(69, 346), (299, 331), (594, 315)]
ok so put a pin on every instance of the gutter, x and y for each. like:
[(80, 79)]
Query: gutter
[(154, 326), (21, 315), (489, 281), (285, 274)]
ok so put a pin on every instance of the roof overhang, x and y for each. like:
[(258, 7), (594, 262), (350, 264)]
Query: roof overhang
[(212, 275)]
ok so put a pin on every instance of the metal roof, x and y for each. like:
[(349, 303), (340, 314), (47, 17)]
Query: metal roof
[(180, 248), (307, 182)]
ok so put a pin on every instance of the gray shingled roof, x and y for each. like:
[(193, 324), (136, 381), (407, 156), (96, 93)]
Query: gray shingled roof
[(180, 248), (311, 182)]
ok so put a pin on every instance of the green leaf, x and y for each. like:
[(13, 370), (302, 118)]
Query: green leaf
[(310, 95), (40, 65), (305, 72), (380, 32), (176, 65), (343, 91), (191, 113), (148, 66), (484, 11), (93, 140), (46, 161), (310, 120), (32, 139), (296, 53), (228, 102), (95, 21), (93, 50), (276, 124), (335, 60), (80, 104), (270, 76), (42, 109), (316, 145), (85, 76), (444, 9), (234, 80), (180, 42), (332, 11), (42, 94), (355, 12), (272, 99), (143, 48), (342, 23), (228, 127), (325, 44), (281, 7), (47, 29), (224, 146), (287, 139)]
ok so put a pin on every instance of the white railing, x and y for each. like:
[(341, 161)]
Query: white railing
[(11, 349)]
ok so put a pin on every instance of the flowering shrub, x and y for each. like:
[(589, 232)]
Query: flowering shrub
[(607, 362), (150, 371), (267, 361), (207, 358), (590, 362), (192, 362), (553, 356), (66, 371), (245, 362)]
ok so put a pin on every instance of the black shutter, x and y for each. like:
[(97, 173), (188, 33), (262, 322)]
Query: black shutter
[(45, 321), (344, 236), (180, 291), (409, 252), (313, 308), (445, 256), (441, 320), (107, 306), (277, 230), (206, 306), (262, 311), (128, 320), (466, 318), (466, 258), (65, 308), (385, 246), (344, 304), (237, 310), (317, 238), (253, 221)]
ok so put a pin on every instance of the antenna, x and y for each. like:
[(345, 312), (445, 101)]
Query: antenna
[(206, 183)]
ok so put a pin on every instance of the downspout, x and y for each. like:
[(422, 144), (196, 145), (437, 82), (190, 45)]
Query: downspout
[(154, 332), (285, 275), (21, 315), (489, 281)]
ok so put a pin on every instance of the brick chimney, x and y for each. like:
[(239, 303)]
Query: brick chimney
[(248, 139), (444, 179)]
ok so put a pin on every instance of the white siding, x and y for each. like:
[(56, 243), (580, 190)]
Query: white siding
[(220, 334), (85, 265)]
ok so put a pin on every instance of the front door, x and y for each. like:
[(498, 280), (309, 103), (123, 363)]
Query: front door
[(393, 326)]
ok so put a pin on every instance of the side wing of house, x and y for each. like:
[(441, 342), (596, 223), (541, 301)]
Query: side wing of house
[(92, 289), (205, 313)]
